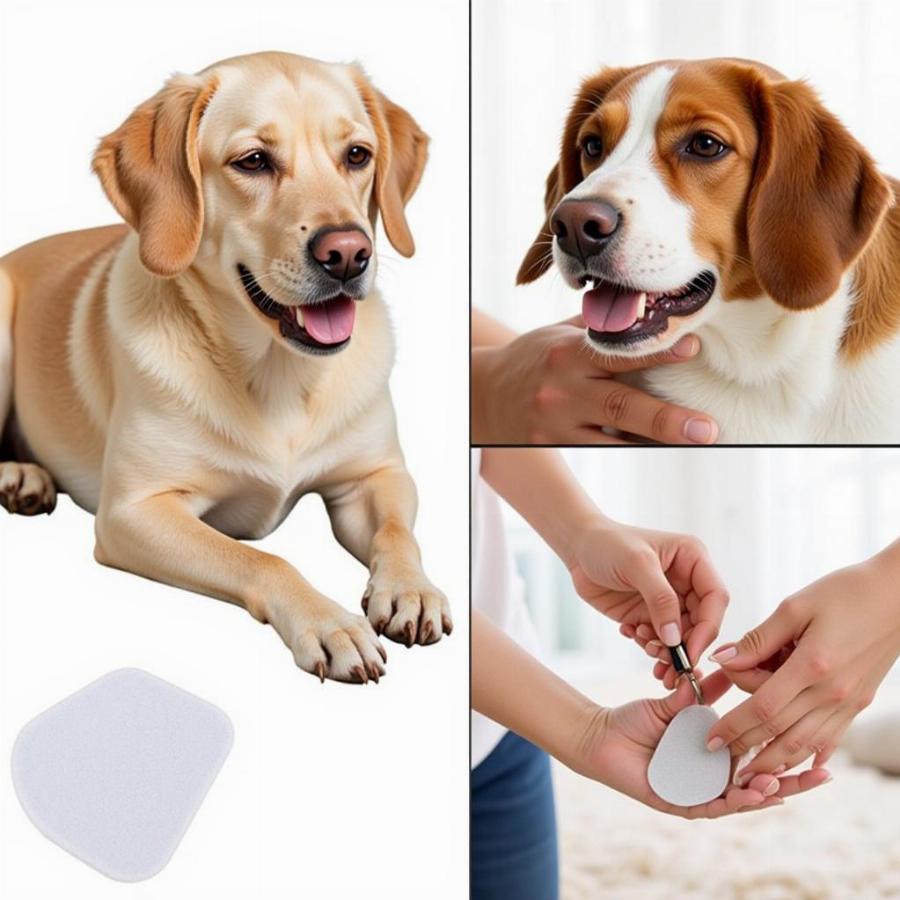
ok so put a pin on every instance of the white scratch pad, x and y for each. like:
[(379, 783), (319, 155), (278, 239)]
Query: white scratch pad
[(682, 771), (115, 773)]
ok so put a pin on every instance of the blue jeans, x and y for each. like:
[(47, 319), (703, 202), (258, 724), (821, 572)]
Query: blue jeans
[(514, 855)]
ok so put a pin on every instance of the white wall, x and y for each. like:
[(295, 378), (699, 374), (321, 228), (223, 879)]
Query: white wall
[(530, 55), (330, 791), (774, 521)]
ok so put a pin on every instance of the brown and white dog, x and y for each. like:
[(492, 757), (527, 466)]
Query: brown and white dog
[(717, 197), (189, 377)]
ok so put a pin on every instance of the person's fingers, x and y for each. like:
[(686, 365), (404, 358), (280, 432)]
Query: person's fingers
[(805, 781), (629, 631), (612, 404), (751, 680), (734, 800), (686, 348), (792, 678), (791, 748), (709, 612), (713, 687), (786, 732), (589, 435), (827, 738), (767, 785), (762, 642), (659, 671), (661, 600)]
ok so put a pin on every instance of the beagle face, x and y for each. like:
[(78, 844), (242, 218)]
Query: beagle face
[(683, 186), (265, 174)]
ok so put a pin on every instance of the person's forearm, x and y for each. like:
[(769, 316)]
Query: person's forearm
[(511, 687), (539, 484), (488, 332)]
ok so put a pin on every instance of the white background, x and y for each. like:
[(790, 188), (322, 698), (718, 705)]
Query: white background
[(330, 790), (529, 56), (774, 520)]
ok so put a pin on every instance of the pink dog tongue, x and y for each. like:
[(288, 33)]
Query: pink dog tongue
[(331, 322), (607, 309)]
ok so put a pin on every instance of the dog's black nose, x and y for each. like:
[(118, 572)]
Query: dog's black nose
[(342, 252), (584, 227)]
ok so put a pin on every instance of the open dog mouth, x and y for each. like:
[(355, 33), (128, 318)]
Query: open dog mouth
[(323, 327), (615, 314)]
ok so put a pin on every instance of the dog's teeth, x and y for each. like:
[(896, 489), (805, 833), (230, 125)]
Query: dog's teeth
[(298, 314), (642, 306)]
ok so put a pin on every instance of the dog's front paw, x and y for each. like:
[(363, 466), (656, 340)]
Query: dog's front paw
[(328, 641), (407, 608), (26, 489)]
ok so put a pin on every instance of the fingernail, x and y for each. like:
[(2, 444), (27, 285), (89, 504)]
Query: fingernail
[(654, 643), (715, 744), (686, 347), (829, 778), (670, 634), (698, 431), (724, 654), (743, 778), (777, 801), (779, 770), (772, 788)]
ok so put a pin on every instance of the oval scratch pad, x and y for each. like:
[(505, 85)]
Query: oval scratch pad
[(682, 771), (115, 773)]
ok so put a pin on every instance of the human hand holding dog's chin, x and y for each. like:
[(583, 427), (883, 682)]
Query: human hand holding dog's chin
[(660, 587), (547, 387), (813, 665), (619, 743)]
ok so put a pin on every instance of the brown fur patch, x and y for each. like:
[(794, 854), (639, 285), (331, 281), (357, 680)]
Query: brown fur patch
[(875, 316), (400, 161), (587, 113)]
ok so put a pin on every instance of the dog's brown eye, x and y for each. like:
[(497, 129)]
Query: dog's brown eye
[(257, 161), (358, 156), (592, 147), (705, 145)]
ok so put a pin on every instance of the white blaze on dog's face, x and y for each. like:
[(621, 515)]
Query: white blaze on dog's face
[(265, 174), (682, 186)]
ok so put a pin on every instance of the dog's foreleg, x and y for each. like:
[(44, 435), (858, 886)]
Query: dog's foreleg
[(161, 537), (25, 488), (373, 518)]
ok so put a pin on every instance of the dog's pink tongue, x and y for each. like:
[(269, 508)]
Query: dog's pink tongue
[(606, 308), (331, 322)]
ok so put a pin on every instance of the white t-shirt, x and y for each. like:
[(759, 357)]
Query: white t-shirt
[(497, 592)]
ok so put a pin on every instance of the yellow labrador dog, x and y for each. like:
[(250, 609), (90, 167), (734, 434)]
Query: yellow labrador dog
[(189, 377)]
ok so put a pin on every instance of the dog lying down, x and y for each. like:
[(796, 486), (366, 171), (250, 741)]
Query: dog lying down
[(189, 376), (717, 197)]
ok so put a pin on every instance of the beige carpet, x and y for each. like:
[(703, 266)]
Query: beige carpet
[(838, 842)]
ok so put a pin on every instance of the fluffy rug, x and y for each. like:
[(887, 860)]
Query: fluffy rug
[(838, 842)]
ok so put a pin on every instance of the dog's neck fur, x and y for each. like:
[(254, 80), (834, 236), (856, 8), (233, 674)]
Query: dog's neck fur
[(768, 374)]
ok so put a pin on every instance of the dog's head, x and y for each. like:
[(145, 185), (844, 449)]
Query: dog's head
[(266, 173), (683, 185)]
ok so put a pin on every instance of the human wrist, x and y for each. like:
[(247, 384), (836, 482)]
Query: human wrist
[(589, 731), (483, 387), (583, 528)]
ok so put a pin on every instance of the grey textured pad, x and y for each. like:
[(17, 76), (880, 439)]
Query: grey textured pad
[(682, 771), (114, 773)]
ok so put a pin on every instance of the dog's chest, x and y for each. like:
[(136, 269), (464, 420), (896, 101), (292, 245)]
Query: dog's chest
[(255, 491)]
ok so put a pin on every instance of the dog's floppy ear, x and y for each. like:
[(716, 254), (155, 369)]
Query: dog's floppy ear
[(567, 171), (399, 162), (150, 170), (816, 196)]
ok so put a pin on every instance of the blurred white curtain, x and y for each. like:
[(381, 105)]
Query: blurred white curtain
[(774, 521), (529, 56)]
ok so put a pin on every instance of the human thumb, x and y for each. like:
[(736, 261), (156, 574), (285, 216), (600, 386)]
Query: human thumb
[(662, 602)]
